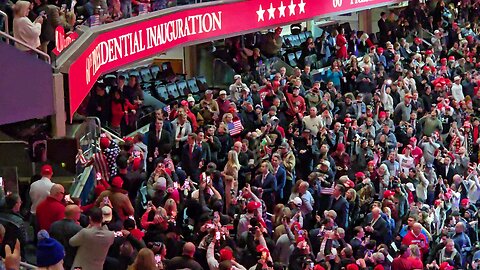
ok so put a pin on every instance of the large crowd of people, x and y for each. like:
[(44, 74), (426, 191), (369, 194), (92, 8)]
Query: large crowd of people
[(373, 167)]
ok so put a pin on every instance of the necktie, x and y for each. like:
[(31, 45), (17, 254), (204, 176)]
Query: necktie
[(179, 135)]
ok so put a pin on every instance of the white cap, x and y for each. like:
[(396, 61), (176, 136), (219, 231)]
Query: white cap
[(456, 78), (236, 77), (410, 186), (190, 99), (107, 213), (223, 92), (297, 201)]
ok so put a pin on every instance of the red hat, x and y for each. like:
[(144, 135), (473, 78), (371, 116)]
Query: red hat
[(117, 182), (446, 266), (295, 226), (137, 162), (469, 39), (433, 69), (226, 254), (371, 163), (380, 50), (437, 202), (46, 169), (347, 120), (318, 267), (261, 248), (340, 147), (382, 114), (417, 40), (443, 60), (184, 103), (409, 146), (359, 175), (438, 84), (352, 266), (413, 139), (464, 201), (428, 52), (128, 139), (451, 58), (388, 193), (173, 193), (349, 184), (104, 142), (253, 205), (467, 125), (426, 68)]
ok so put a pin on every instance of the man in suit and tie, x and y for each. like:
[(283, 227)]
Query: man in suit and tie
[(376, 226), (191, 157), (358, 246), (340, 205), (267, 181), (159, 144), (385, 32), (446, 170)]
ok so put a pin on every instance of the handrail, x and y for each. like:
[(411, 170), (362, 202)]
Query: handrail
[(5, 35), (112, 134), (81, 182), (7, 30), (28, 266)]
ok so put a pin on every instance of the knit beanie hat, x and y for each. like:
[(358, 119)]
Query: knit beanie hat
[(49, 250)]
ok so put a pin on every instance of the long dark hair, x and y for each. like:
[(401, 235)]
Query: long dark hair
[(119, 100)]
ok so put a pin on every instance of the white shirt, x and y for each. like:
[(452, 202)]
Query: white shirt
[(39, 190), (457, 92), (26, 31)]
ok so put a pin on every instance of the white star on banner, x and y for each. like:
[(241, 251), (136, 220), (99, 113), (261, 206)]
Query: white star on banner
[(302, 7), (260, 13), (291, 7), (281, 9), (271, 12)]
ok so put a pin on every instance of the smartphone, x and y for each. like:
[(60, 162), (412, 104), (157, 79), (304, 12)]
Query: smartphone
[(312, 265), (217, 235), (99, 176), (158, 259), (118, 234), (1, 182), (149, 204), (106, 200), (209, 180)]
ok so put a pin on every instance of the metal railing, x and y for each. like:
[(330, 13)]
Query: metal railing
[(5, 18), (7, 36)]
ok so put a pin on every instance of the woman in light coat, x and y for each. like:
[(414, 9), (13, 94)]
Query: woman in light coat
[(24, 29)]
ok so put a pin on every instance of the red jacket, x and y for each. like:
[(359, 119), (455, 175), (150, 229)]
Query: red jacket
[(410, 239), (49, 211), (118, 112)]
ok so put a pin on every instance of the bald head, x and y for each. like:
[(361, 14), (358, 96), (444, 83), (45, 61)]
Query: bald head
[(417, 228), (57, 191), (72, 211), (189, 249), (376, 212)]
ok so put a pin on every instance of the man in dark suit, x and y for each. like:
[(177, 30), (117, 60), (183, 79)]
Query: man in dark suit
[(357, 241), (340, 206), (446, 170), (191, 157), (376, 226), (267, 181), (159, 144), (384, 30)]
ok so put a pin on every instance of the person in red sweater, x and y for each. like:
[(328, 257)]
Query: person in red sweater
[(415, 237), (402, 262), (52, 208), (120, 108), (296, 103)]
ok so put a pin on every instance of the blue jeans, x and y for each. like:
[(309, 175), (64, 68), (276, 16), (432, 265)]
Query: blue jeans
[(126, 7)]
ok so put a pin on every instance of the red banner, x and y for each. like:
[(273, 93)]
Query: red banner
[(116, 48)]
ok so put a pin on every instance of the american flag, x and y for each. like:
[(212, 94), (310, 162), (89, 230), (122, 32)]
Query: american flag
[(235, 127), (167, 109), (94, 20)]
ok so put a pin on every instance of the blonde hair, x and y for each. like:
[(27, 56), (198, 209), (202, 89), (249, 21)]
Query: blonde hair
[(145, 260), (225, 117), (170, 206), (232, 160), (20, 7)]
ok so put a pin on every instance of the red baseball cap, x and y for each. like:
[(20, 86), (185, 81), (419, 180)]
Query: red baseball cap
[(46, 169), (340, 147), (253, 205), (382, 114), (347, 120), (104, 142), (428, 52), (184, 103), (464, 201), (451, 58), (388, 193), (226, 254), (359, 175), (117, 182), (380, 50)]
